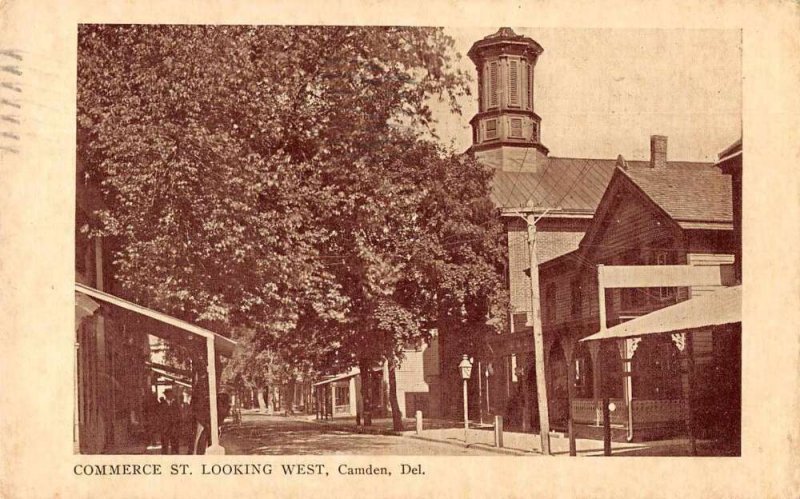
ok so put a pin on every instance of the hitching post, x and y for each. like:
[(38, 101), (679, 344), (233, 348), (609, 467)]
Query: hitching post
[(498, 431)]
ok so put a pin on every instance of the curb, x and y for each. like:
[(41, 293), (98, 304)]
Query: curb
[(481, 446)]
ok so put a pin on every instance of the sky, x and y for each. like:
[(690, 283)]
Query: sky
[(603, 92)]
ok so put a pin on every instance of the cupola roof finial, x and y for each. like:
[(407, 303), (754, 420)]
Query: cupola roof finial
[(504, 32)]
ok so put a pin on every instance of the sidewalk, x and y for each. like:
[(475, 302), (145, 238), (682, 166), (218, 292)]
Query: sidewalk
[(530, 444), (380, 426), (514, 443)]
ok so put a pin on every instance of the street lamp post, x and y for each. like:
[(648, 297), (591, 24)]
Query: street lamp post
[(465, 367)]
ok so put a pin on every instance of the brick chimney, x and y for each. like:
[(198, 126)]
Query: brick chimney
[(658, 151)]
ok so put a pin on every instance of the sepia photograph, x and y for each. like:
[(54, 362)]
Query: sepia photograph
[(395, 240)]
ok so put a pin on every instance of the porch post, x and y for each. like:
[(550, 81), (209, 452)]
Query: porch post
[(595, 350), (480, 394), (690, 398), (333, 399), (683, 341), (353, 402), (215, 448), (569, 353), (597, 373), (627, 348)]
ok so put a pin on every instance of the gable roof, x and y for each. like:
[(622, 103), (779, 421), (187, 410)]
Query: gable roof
[(695, 199), (574, 185), (691, 197)]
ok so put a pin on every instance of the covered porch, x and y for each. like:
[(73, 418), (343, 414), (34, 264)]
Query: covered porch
[(702, 395), (99, 373)]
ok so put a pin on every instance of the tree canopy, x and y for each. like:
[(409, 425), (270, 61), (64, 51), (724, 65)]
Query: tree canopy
[(285, 183)]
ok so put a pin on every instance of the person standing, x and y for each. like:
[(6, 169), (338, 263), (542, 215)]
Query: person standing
[(170, 424)]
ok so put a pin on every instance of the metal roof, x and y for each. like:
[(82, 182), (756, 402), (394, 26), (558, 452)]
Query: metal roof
[(573, 185), (713, 309), (687, 195), (223, 345)]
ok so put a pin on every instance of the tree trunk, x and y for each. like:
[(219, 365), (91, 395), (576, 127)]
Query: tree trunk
[(366, 415), (262, 404), (397, 417), (290, 398), (270, 400)]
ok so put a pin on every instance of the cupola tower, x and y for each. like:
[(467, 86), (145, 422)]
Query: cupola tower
[(505, 132)]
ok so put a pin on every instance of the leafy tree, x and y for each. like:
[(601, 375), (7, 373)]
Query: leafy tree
[(282, 181)]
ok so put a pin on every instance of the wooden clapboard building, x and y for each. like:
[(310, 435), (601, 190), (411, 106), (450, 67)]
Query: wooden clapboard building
[(650, 216)]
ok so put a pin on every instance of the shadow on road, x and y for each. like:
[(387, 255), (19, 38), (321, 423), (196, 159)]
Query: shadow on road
[(281, 436)]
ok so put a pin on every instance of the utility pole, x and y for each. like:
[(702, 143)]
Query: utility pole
[(538, 337)]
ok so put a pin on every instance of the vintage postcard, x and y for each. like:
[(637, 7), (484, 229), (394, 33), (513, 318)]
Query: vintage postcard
[(267, 251)]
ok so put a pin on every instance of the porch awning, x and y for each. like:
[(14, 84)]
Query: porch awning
[(714, 309), (223, 345), (172, 376), (339, 377)]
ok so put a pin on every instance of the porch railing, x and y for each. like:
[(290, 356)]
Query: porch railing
[(646, 413)]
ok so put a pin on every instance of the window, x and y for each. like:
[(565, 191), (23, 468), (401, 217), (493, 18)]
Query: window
[(513, 367), (493, 84), (664, 258), (530, 86), (491, 129), (520, 321), (633, 299), (550, 302), (513, 83), (580, 372), (516, 127), (577, 298), (342, 395), (534, 132)]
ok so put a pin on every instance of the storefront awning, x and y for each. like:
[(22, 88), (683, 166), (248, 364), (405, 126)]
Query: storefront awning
[(714, 309), (223, 345)]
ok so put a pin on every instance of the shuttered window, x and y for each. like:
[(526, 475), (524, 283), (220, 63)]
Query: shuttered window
[(530, 86), (513, 83), (491, 129), (516, 127), (493, 84)]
